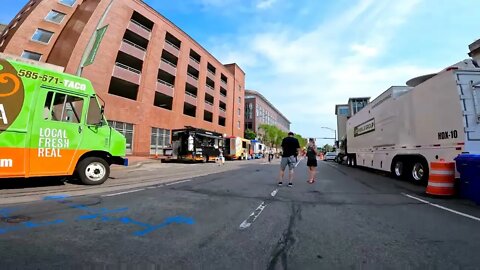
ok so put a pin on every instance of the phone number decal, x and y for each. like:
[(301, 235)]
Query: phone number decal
[(34, 75)]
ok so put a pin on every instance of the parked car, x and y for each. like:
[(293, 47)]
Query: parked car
[(330, 156)]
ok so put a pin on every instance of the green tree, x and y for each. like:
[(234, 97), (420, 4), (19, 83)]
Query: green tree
[(279, 135), (267, 134), (301, 140), (328, 148), (250, 135)]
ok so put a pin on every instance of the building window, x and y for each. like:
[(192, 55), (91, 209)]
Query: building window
[(238, 124), (239, 111), (127, 130), (221, 121), (31, 55), (239, 100), (343, 111), (43, 36), (69, 3), (55, 16), (249, 111), (159, 139)]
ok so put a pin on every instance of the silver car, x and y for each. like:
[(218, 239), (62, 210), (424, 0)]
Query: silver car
[(330, 156)]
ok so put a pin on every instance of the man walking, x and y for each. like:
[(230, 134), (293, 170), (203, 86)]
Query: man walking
[(290, 146)]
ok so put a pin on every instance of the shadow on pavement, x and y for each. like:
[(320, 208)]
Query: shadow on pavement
[(20, 183)]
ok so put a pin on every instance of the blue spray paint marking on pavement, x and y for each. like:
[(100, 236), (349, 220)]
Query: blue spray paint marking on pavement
[(100, 213), (56, 197), (91, 213), (168, 221), (6, 212), (30, 224)]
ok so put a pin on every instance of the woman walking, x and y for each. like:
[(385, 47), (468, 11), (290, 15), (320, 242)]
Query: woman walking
[(311, 160)]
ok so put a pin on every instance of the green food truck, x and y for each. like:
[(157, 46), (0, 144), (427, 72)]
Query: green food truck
[(52, 124)]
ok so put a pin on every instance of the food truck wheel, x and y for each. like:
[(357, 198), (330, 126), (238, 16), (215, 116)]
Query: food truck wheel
[(93, 170)]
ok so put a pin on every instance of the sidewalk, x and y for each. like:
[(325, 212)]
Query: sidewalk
[(136, 161)]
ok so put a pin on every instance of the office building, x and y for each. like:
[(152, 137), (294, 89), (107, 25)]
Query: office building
[(152, 75), (258, 111), (345, 111)]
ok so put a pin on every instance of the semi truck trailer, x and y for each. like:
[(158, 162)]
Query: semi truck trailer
[(434, 117)]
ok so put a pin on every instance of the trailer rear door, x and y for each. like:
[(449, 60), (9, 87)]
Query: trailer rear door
[(469, 84)]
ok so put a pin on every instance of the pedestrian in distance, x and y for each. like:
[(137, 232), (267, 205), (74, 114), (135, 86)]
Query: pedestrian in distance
[(290, 146), (311, 160), (270, 155)]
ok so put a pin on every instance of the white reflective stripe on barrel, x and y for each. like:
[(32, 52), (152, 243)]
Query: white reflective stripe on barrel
[(440, 184), (437, 172)]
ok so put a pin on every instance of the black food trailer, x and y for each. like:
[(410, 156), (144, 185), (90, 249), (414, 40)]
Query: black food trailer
[(194, 144)]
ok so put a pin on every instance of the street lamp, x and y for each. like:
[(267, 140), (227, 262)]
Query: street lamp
[(334, 131)]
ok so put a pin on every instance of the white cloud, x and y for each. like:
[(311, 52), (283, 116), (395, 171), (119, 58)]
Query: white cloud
[(304, 74), (364, 50), (265, 4)]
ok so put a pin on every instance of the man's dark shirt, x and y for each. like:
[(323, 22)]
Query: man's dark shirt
[(290, 146)]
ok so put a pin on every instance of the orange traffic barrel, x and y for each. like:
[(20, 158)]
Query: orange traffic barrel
[(441, 181)]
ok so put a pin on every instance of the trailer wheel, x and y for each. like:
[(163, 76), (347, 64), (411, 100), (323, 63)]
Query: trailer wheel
[(398, 168), (349, 161), (419, 171), (93, 171)]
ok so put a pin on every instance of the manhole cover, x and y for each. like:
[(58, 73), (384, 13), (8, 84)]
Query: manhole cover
[(15, 219)]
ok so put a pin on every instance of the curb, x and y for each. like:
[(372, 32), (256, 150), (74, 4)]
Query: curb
[(135, 165)]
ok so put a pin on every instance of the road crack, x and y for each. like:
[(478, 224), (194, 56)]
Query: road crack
[(286, 242)]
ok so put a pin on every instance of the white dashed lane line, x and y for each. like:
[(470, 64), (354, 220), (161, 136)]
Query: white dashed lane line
[(256, 213)]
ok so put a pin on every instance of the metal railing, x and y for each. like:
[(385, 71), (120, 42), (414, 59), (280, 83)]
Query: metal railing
[(223, 94), (140, 25), (211, 72), (134, 45), (171, 44), (209, 103), (222, 109), (224, 82), (127, 68), (194, 60), (190, 94), (165, 83), (192, 76), (209, 86), (169, 63)]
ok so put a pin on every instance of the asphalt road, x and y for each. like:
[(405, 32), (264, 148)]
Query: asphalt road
[(240, 219)]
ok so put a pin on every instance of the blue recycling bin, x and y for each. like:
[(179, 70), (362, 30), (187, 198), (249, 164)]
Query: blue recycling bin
[(468, 165)]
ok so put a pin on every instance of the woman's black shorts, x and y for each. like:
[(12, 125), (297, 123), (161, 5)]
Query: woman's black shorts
[(312, 163)]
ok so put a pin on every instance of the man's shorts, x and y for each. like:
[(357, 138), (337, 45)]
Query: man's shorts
[(290, 161)]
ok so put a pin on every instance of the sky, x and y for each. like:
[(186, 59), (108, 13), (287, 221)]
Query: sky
[(305, 56)]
